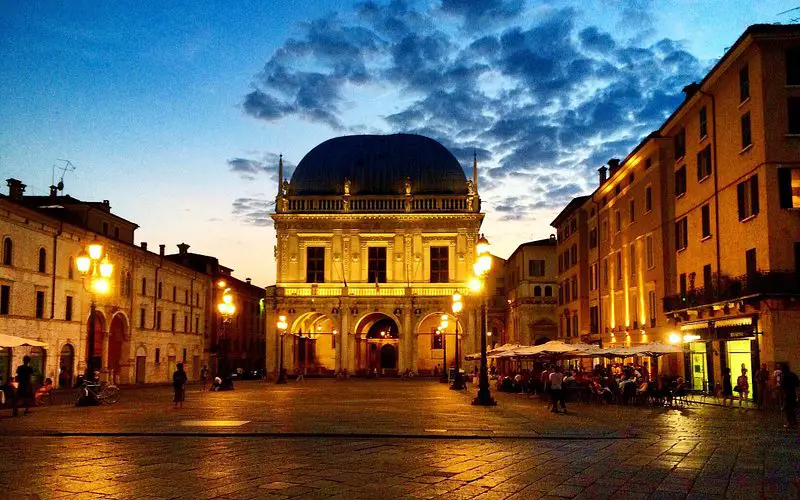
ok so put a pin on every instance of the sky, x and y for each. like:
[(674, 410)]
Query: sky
[(177, 111)]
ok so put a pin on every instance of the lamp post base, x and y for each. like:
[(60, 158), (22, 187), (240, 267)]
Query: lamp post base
[(458, 383), (484, 400), (283, 377)]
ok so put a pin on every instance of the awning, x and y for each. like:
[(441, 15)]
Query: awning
[(12, 341)]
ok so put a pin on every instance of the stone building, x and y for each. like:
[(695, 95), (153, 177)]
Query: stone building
[(151, 319), (375, 234), (530, 277)]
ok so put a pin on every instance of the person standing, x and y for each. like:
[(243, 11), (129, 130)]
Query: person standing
[(789, 384), (556, 389), (727, 387), (24, 391), (777, 378), (179, 385), (742, 386), (204, 376), (762, 386)]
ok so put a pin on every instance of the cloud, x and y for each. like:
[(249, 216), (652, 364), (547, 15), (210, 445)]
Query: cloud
[(249, 169), (253, 211), (543, 96)]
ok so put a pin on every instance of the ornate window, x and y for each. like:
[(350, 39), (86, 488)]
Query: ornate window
[(440, 264), (315, 264), (376, 264)]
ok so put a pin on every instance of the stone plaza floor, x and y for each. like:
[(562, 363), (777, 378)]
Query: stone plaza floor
[(390, 439)]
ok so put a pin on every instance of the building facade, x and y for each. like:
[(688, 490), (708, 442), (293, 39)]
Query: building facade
[(530, 275), (375, 234), (151, 319), (573, 269)]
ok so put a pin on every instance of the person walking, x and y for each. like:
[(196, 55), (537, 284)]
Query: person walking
[(789, 385), (179, 385), (24, 393), (204, 376), (742, 387), (727, 387), (556, 389), (777, 381)]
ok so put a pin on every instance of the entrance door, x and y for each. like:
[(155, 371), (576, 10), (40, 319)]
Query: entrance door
[(65, 365), (171, 367), (38, 364), (141, 366), (195, 367), (698, 365), (739, 356), (388, 357)]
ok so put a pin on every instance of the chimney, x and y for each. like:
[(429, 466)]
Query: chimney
[(602, 171), (248, 280), (161, 250), (691, 89), (613, 163), (183, 248), (552, 237), (15, 188), (53, 191), (106, 206), (143, 245)]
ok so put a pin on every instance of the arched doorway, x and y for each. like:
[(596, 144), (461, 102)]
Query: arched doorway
[(374, 331), (117, 333), (141, 365), (436, 348), (66, 363), (313, 343), (38, 363), (388, 357)]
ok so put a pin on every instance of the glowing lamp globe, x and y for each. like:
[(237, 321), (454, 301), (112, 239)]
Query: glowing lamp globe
[(83, 263), (230, 308), (222, 308), (101, 286), (95, 251), (106, 268)]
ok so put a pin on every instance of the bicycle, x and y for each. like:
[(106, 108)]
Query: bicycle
[(100, 392)]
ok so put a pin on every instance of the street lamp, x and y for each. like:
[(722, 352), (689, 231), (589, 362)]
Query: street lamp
[(458, 383), (482, 266), (443, 322), (282, 326), (226, 310), (98, 269)]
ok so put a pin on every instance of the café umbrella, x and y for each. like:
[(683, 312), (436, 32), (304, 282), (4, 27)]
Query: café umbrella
[(14, 341)]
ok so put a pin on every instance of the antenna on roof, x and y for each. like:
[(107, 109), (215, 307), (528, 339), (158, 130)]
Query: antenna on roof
[(796, 11), (68, 167)]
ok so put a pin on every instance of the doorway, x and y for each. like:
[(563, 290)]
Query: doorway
[(195, 367), (388, 357), (38, 363), (141, 367), (699, 367), (739, 356), (65, 365)]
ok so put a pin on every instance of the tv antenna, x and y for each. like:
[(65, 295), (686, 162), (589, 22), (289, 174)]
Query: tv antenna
[(795, 13), (67, 167)]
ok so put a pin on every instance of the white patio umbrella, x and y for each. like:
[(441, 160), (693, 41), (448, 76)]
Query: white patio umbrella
[(656, 349), (13, 341), (556, 348)]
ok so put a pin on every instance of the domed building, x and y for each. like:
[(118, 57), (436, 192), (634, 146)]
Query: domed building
[(374, 235)]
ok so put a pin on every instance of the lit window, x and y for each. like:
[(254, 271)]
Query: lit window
[(789, 187)]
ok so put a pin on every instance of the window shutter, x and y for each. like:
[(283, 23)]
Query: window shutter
[(754, 194), (785, 187), (740, 199)]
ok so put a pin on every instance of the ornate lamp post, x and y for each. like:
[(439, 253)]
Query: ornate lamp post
[(226, 310), (482, 266), (443, 322), (95, 268), (282, 326), (458, 383)]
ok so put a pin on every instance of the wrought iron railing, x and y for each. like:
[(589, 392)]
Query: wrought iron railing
[(759, 283), (371, 204)]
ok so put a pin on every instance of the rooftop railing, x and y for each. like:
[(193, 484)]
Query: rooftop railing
[(372, 204)]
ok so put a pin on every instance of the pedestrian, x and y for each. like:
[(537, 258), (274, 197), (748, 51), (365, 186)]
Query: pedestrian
[(300, 376), (727, 387), (742, 386), (777, 380), (24, 393), (762, 386), (179, 385), (789, 384), (204, 376), (556, 389)]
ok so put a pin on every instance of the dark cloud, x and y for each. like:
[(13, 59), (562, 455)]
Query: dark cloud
[(250, 169), (253, 211), (545, 92)]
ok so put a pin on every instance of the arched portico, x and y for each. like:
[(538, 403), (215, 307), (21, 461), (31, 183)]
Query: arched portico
[(116, 347), (377, 336), (99, 329), (434, 343), (312, 340)]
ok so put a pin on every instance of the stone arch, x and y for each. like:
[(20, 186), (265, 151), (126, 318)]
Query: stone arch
[(435, 347), (373, 330), (313, 342), (119, 344), (100, 324), (66, 365), (543, 330)]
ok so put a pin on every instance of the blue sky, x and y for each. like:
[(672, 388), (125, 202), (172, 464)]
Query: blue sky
[(176, 114)]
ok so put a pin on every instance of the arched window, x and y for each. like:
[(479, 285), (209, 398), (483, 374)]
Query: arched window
[(42, 260), (548, 291), (537, 291), (8, 251)]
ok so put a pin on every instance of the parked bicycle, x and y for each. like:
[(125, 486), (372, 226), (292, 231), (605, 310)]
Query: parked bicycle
[(101, 392)]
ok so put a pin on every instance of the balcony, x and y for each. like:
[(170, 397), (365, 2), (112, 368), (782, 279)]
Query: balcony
[(377, 204), (760, 283)]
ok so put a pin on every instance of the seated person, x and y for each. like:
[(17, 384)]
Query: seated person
[(44, 390), (215, 385)]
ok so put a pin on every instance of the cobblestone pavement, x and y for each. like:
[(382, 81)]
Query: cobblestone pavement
[(391, 439)]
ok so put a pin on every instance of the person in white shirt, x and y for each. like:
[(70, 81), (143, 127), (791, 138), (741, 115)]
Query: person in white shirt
[(556, 389)]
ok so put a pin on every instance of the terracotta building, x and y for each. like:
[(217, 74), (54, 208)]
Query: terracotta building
[(531, 288)]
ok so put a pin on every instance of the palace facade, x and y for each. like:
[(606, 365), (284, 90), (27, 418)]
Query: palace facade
[(374, 236)]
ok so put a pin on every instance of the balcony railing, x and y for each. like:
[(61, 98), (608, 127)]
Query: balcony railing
[(372, 204), (760, 283), (370, 290)]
